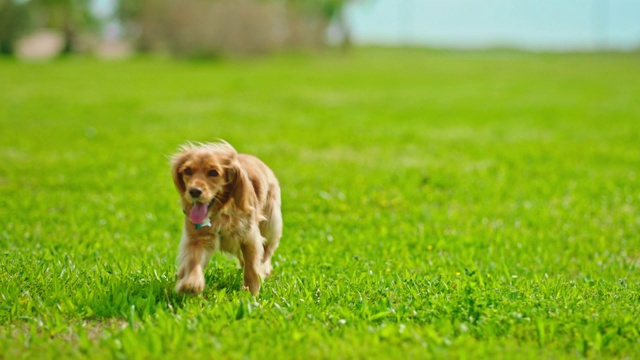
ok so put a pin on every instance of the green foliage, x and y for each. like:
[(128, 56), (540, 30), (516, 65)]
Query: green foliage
[(18, 18), (13, 21), (61, 14), (328, 8), (437, 204), (67, 16)]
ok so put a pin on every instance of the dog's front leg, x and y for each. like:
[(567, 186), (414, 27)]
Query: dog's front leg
[(192, 258), (252, 251)]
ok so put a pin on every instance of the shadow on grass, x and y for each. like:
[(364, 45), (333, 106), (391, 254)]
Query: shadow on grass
[(138, 296)]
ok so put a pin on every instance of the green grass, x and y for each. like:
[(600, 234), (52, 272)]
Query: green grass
[(446, 204)]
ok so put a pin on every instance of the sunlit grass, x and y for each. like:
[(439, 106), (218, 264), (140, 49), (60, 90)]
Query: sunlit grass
[(480, 204)]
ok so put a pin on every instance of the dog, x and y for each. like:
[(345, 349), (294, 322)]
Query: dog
[(231, 203)]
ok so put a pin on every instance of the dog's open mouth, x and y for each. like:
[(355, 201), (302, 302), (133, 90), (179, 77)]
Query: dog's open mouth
[(198, 212)]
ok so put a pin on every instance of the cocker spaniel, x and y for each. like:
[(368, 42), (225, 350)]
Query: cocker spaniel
[(231, 203)]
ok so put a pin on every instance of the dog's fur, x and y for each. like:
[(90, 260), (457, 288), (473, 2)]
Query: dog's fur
[(244, 209)]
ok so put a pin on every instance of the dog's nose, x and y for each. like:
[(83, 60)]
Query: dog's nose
[(195, 192)]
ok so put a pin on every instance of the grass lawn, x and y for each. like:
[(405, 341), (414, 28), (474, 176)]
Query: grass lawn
[(447, 204)]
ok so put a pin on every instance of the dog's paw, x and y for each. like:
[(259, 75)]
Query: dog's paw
[(253, 288), (193, 284), (266, 269)]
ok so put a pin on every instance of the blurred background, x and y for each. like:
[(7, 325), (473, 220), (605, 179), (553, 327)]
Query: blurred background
[(42, 29)]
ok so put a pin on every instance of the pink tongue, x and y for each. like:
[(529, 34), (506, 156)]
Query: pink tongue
[(198, 213)]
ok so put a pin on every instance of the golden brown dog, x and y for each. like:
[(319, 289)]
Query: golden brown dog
[(231, 203)]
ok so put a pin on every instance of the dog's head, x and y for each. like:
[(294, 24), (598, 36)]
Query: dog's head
[(206, 175)]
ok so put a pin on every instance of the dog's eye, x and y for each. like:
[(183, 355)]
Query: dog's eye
[(213, 173), (188, 172)]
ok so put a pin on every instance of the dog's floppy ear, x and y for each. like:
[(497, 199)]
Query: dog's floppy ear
[(239, 185), (177, 161)]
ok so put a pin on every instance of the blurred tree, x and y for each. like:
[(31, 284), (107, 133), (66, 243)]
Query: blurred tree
[(328, 10), (68, 16), (13, 22), (185, 27)]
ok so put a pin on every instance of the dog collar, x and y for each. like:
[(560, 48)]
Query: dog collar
[(205, 223)]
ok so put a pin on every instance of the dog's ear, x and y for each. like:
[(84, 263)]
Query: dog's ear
[(177, 161), (239, 185)]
